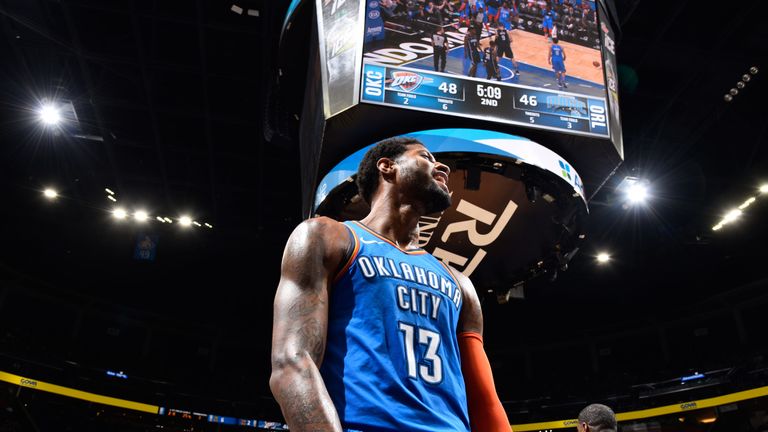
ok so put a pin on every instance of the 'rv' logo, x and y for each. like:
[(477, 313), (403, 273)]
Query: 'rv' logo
[(408, 81)]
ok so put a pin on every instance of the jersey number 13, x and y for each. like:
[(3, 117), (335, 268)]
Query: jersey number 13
[(430, 367)]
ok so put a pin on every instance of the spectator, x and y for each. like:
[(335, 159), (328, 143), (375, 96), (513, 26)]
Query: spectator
[(596, 418)]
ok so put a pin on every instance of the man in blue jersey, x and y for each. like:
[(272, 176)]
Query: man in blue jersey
[(371, 333), (557, 59)]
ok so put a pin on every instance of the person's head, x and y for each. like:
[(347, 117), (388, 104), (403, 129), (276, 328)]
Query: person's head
[(596, 418), (440, 30), (554, 41), (500, 25), (492, 43), (404, 165)]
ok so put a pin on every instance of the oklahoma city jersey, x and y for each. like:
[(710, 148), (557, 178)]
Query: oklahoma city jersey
[(392, 360)]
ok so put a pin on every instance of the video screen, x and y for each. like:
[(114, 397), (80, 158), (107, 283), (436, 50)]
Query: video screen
[(531, 62)]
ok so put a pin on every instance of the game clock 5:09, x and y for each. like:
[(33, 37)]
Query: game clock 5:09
[(489, 95)]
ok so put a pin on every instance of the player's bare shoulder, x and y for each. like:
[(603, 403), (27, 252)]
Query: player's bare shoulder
[(471, 318), (320, 237)]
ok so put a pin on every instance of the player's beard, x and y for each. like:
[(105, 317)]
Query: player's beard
[(427, 191), (436, 198)]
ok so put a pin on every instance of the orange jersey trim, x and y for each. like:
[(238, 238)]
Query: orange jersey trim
[(410, 252), (352, 256), (455, 279)]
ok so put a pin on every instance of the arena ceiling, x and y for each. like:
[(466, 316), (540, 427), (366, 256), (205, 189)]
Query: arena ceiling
[(171, 98)]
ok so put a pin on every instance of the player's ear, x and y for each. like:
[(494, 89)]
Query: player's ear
[(386, 166)]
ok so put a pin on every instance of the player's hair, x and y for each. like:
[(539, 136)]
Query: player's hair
[(599, 417), (368, 173), (554, 40), (492, 42)]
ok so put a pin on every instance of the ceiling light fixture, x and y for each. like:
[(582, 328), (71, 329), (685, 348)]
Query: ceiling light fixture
[(50, 194), (49, 115)]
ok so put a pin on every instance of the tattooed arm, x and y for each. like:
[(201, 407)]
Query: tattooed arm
[(313, 253)]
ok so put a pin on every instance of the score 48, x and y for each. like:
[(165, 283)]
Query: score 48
[(489, 95)]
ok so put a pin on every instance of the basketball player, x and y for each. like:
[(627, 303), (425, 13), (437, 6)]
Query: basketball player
[(596, 418), (557, 59), (372, 333), (491, 61), (504, 16), (547, 24), (472, 50), (504, 46), (439, 46)]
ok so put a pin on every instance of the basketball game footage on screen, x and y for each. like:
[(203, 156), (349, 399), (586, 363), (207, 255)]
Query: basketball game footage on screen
[(533, 62)]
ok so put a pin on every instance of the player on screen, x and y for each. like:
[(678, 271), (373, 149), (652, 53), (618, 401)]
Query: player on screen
[(504, 46), (547, 24), (472, 50), (504, 16), (492, 8), (557, 59), (491, 61)]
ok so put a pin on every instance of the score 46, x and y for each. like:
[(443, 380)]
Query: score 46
[(528, 100)]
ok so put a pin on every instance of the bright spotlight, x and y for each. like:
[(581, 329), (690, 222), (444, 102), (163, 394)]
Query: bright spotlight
[(140, 216), (603, 257), (764, 188), (50, 193), (119, 213), (185, 221), (49, 115), (732, 216), (637, 193)]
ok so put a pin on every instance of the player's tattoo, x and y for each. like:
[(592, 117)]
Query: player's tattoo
[(306, 411), (312, 337)]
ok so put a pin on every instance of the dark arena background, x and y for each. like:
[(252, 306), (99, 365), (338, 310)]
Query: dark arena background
[(156, 154)]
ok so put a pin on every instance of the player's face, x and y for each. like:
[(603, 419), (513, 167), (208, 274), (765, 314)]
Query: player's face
[(425, 178)]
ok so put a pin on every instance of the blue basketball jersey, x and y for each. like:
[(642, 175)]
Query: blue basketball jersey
[(557, 53), (392, 359)]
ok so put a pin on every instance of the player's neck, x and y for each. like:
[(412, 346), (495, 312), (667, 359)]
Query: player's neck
[(395, 220)]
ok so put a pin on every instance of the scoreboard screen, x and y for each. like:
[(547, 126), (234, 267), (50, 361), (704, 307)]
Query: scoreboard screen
[(510, 62)]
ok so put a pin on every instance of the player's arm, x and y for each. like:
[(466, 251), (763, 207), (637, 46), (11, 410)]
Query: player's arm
[(486, 414), (312, 254), (549, 56), (466, 47)]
